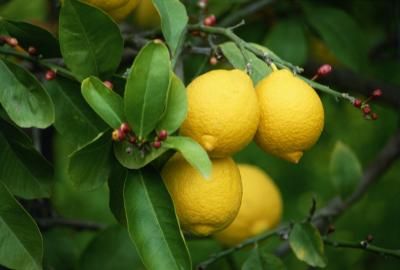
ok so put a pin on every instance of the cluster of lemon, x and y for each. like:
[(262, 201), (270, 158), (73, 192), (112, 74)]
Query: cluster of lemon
[(283, 114)]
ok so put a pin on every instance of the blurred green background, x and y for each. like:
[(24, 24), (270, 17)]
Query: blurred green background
[(358, 35)]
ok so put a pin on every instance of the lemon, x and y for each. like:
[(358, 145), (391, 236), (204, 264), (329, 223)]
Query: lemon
[(107, 4), (122, 12), (223, 111), (261, 207), (292, 116), (146, 15), (203, 206)]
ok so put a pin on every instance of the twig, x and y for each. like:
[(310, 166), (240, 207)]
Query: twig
[(244, 12), (363, 246), (48, 223)]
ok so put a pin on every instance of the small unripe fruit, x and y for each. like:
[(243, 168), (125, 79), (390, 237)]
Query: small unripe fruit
[(357, 103), (210, 20), (162, 135), (156, 144), (50, 75), (108, 84), (377, 93), (324, 70), (125, 128)]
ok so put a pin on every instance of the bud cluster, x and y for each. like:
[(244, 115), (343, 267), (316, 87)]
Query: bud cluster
[(365, 107)]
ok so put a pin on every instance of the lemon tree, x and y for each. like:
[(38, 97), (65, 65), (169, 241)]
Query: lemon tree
[(130, 131)]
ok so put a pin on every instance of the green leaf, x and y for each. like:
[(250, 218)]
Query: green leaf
[(176, 107), (288, 39), (340, 32), (152, 222), (133, 158), (345, 169), (192, 152), (25, 10), (75, 120), (174, 19), (259, 69), (90, 41), (89, 166), (116, 182), (32, 35), (25, 172), (20, 238), (146, 90), (105, 102), (114, 240), (24, 98), (260, 259), (307, 245)]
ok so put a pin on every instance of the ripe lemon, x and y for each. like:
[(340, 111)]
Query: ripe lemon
[(223, 111), (203, 206), (292, 116), (122, 12), (146, 15), (261, 207)]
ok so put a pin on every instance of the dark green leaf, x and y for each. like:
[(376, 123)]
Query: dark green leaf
[(345, 169), (146, 89), (307, 245), (133, 158), (32, 35), (152, 222), (25, 172), (114, 240), (173, 21), (260, 259), (176, 106), (287, 39), (91, 43), (116, 183), (259, 69), (75, 120), (340, 32), (20, 238), (23, 97), (192, 152), (105, 102), (89, 166)]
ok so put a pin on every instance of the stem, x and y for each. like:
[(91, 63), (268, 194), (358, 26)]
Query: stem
[(227, 252), (327, 89), (59, 70), (366, 246)]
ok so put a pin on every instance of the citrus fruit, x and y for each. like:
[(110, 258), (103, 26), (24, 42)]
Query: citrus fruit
[(223, 111), (261, 207), (203, 206), (107, 4), (122, 12), (146, 15), (292, 116)]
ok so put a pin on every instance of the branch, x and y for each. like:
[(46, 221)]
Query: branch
[(48, 223), (363, 246), (243, 12)]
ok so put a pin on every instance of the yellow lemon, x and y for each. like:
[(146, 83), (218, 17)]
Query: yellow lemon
[(107, 4), (146, 15), (261, 207), (292, 116), (122, 12), (203, 206), (223, 111)]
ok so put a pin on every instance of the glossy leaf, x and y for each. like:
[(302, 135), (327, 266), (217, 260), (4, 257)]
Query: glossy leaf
[(105, 102), (260, 259), (259, 69), (146, 89), (75, 120), (307, 245), (345, 169), (90, 41), (31, 35), (176, 106), (174, 19), (25, 172), (192, 152), (132, 158), (24, 98), (116, 182), (340, 32), (152, 222), (114, 240), (89, 166), (287, 38), (20, 238)]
